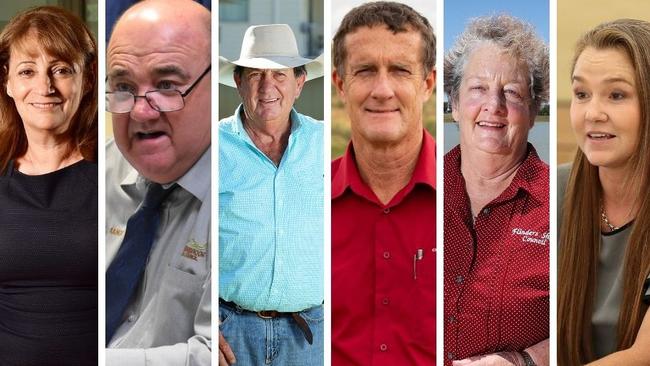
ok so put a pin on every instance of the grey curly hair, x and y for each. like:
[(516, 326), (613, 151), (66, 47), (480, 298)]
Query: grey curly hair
[(515, 37)]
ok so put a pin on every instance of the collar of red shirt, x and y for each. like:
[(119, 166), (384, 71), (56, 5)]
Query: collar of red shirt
[(345, 173), (528, 177)]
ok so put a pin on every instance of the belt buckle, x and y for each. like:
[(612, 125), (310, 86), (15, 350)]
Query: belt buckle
[(267, 314)]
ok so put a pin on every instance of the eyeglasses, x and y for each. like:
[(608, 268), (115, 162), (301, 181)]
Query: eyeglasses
[(162, 100)]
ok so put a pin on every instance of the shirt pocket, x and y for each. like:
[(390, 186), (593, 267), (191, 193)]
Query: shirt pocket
[(425, 296), (524, 312), (179, 297)]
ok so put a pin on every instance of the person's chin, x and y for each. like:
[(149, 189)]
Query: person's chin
[(270, 113), (150, 144), (601, 159), (158, 169), (51, 124), (492, 146), (385, 136)]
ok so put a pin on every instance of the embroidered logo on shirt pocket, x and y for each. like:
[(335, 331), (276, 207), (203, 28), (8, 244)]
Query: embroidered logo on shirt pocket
[(531, 236), (117, 231), (194, 250)]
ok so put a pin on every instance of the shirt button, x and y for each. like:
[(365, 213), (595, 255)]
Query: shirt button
[(459, 279), (385, 301), (383, 347), (451, 319), (386, 255), (450, 355), (281, 232), (132, 318), (486, 211), (387, 210)]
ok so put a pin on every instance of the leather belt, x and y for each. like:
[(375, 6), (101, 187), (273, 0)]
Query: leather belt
[(271, 314)]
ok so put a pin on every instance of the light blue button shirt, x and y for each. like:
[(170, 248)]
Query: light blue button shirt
[(271, 218)]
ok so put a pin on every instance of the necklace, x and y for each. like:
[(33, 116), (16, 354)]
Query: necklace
[(603, 217)]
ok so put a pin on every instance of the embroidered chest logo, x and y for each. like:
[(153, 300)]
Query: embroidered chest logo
[(194, 250), (116, 231), (531, 236)]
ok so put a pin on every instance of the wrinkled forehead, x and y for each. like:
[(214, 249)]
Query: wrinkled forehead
[(130, 56), (152, 69), (370, 41)]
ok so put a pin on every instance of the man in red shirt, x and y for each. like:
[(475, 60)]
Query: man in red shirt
[(383, 191)]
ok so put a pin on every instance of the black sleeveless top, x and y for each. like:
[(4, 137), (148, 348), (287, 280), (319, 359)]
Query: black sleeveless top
[(48, 267)]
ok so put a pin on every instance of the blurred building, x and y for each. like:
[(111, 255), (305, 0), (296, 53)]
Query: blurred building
[(305, 17)]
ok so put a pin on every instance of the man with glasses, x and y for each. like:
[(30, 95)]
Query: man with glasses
[(270, 208), (158, 186)]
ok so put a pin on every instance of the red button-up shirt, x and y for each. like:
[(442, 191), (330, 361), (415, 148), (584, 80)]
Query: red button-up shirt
[(496, 267), (383, 267)]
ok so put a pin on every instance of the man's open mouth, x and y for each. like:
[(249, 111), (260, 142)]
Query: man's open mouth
[(149, 135)]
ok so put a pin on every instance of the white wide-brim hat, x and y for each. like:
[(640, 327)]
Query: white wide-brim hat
[(271, 46)]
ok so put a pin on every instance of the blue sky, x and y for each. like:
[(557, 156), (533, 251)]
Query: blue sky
[(458, 12)]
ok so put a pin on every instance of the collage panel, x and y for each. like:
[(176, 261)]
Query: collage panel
[(603, 258), (383, 183), (157, 204), (496, 183), (271, 183), (48, 183), (272, 125)]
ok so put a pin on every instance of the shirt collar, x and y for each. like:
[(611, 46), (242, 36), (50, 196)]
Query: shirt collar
[(527, 178), (529, 174), (347, 174), (196, 181)]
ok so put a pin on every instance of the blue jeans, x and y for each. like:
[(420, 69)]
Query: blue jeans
[(278, 341)]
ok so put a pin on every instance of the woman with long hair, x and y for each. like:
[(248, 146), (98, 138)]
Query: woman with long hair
[(48, 190), (604, 252)]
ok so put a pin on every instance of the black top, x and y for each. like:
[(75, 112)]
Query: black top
[(48, 267)]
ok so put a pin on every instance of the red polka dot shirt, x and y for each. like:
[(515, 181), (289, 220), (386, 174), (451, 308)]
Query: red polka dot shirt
[(496, 284)]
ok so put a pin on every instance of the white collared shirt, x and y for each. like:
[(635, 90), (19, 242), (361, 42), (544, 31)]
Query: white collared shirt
[(168, 320)]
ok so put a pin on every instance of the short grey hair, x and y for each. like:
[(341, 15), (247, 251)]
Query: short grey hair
[(512, 35)]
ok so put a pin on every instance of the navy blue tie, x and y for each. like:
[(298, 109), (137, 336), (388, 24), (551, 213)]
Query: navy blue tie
[(125, 272)]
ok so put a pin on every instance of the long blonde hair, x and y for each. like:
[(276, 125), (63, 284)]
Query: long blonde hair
[(580, 229)]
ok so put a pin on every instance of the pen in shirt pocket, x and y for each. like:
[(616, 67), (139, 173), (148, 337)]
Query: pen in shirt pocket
[(419, 254)]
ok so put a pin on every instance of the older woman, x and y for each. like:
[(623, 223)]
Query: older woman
[(604, 256), (496, 198), (48, 190)]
